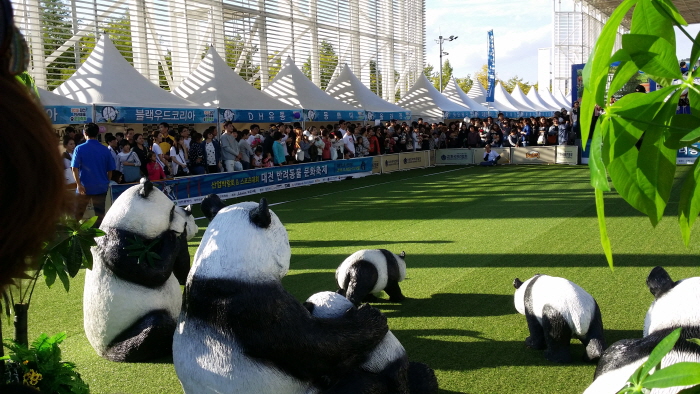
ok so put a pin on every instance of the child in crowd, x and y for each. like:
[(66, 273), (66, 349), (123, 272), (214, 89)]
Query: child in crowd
[(155, 171), (258, 157), (267, 161)]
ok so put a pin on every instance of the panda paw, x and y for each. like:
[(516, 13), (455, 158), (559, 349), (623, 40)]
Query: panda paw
[(533, 344), (370, 318)]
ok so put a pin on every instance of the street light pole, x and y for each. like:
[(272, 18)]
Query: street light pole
[(441, 40)]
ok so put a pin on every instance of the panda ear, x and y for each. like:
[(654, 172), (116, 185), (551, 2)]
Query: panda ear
[(517, 283), (659, 282), (147, 187), (188, 210), (211, 205), (309, 307), (260, 216), (403, 254)]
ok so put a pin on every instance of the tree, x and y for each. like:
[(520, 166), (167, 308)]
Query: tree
[(465, 83), (328, 61), (483, 76), (510, 84), (119, 31), (234, 47), (56, 27), (375, 78), (428, 70), (446, 75)]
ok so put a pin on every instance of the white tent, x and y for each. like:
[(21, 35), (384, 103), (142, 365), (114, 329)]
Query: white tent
[(122, 95), (510, 108), (292, 87), (535, 97), (561, 99), (547, 97), (477, 93), (62, 110), (214, 84), (520, 97), (349, 89), (424, 101), (453, 92)]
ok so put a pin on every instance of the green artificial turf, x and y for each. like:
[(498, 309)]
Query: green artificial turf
[(468, 232)]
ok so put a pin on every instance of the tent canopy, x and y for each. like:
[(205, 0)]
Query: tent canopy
[(504, 103), (350, 90), (456, 94), (62, 110), (214, 84), (477, 93), (520, 97), (534, 96), (561, 99), (547, 97), (292, 87), (121, 94), (424, 101)]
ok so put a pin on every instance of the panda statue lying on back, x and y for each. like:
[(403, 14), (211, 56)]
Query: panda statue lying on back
[(676, 304), (555, 310), (366, 272), (131, 301), (240, 331), (386, 369)]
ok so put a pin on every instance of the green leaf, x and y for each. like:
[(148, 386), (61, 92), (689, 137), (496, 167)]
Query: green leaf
[(653, 55), (624, 72), (684, 131), (649, 18), (595, 72), (666, 7), (599, 176), (49, 272), (604, 240), (694, 340), (64, 279), (695, 52), (659, 352), (678, 374), (586, 114), (689, 204), (87, 223), (694, 97), (690, 390)]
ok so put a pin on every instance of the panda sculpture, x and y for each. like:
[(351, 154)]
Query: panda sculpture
[(386, 369), (240, 331), (131, 303), (555, 310), (676, 304), (370, 271)]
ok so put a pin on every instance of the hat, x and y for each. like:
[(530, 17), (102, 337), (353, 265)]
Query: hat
[(13, 48)]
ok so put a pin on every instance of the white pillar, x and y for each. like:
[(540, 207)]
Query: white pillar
[(36, 42), (355, 27), (315, 58), (180, 32), (264, 52)]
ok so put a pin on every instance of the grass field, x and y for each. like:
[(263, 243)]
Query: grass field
[(468, 232)]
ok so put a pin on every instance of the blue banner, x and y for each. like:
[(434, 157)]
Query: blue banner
[(117, 114), (491, 69), (60, 114), (372, 116), (192, 189), (255, 116), (457, 114), (577, 83), (312, 115), (688, 155)]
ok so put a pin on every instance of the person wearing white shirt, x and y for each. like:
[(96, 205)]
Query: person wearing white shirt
[(490, 157), (349, 142)]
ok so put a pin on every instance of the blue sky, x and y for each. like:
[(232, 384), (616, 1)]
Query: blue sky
[(520, 28)]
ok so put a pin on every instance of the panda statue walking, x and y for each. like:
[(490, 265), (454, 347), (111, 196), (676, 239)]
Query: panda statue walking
[(132, 298), (676, 304), (240, 331), (386, 369), (370, 271), (555, 310)]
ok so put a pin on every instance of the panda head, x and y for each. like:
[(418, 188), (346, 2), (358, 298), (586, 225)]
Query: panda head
[(520, 288), (143, 209), (328, 305), (183, 221), (245, 242), (676, 304)]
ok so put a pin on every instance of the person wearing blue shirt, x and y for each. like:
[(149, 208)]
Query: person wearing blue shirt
[(92, 167), (278, 149)]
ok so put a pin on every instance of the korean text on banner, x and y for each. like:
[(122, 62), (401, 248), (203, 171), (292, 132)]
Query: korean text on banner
[(503, 152), (688, 155), (567, 154), (390, 163), (411, 160), (460, 157), (490, 92), (534, 155)]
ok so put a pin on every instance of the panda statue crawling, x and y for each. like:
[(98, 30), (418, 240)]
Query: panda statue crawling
[(130, 302), (676, 304), (386, 369), (555, 310), (240, 331), (370, 271)]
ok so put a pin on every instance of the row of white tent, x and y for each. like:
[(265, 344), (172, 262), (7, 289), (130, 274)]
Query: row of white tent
[(107, 89)]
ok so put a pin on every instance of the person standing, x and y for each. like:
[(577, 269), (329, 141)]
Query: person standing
[(212, 152), (278, 149), (245, 149), (230, 153), (92, 166), (349, 143)]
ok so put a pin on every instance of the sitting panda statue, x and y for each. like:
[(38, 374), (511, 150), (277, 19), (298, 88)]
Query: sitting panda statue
[(131, 302), (366, 272), (240, 331), (555, 310), (386, 369), (676, 304)]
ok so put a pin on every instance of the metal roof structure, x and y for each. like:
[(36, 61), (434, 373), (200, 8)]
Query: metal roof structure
[(690, 9)]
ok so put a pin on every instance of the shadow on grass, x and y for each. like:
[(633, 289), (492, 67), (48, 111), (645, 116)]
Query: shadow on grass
[(341, 244), (450, 305)]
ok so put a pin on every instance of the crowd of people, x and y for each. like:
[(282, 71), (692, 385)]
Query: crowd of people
[(170, 152)]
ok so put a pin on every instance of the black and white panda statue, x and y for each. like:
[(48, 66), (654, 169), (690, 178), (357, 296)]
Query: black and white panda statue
[(130, 307), (386, 369), (370, 271), (555, 310), (241, 332), (676, 304)]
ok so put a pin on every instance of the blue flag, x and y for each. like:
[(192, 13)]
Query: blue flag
[(492, 69)]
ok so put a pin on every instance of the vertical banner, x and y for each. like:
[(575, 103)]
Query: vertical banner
[(492, 69), (576, 83)]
